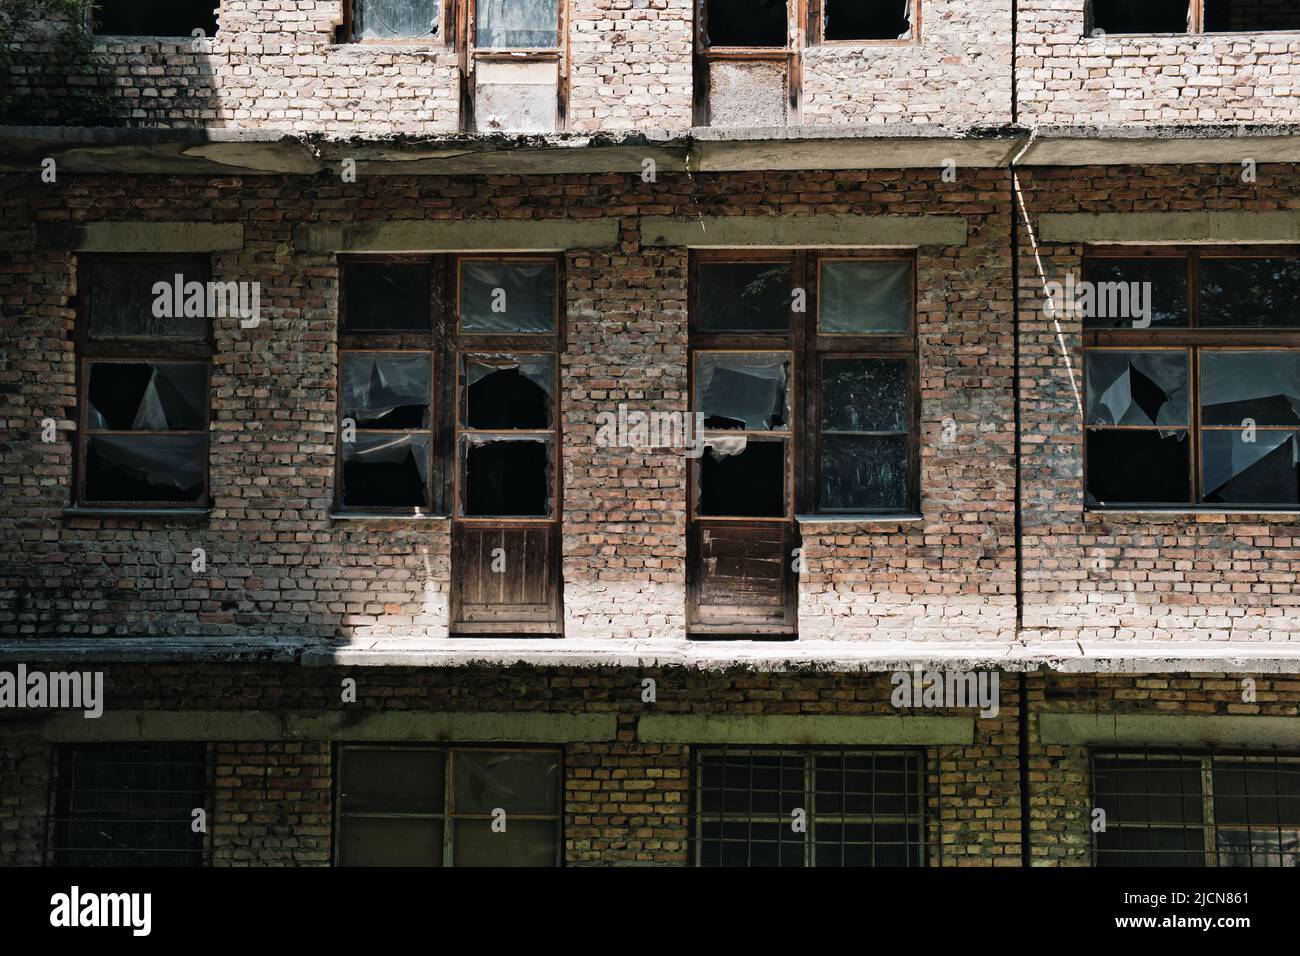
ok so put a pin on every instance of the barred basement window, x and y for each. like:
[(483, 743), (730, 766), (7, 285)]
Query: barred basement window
[(1199, 407), (1176, 808), (155, 18), (143, 383), (1193, 16), (129, 804), (790, 807), (422, 806), (389, 20)]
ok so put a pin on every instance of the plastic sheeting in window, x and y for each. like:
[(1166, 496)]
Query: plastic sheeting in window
[(376, 19), (1263, 387), (524, 781), (517, 24), (386, 471), (386, 389), (507, 296), (1264, 470), (145, 468), (744, 390), (509, 391), (122, 299), (1137, 388), (864, 296), (143, 396)]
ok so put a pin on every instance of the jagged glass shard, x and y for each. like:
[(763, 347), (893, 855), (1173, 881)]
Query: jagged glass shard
[(1263, 387), (144, 396), (1264, 470), (507, 296), (386, 389), (512, 391), (386, 471), (1137, 388), (744, 391), (864, 296), (744, 296)]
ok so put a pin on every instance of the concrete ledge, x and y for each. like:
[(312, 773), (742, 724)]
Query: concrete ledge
[(799, 729), (235, 725), (141, 237), (1190, 730), (816, 232), (461, 235), (1169, 228), (124, 650)]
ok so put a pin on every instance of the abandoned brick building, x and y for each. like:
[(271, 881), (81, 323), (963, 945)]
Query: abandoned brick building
[(555, 431)]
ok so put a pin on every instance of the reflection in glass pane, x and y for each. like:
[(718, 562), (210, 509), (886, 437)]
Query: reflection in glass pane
[(506, 478), (377, 19), (863, 472), (743, 479), (522, 843), (509, 392), (1258, 847), (1167, 294), (519, 781), (146, 468), (1261, 386), (366, 841), (386, 471), (864, 395), (143, 396), (517, 24), (1137, 388), (386, 389), (862, 296), (1264, 470), (122, 299), (392, 781), (1138, 466), (743, 296), (1250, 293), (386, 296), (743, 390), (507, 296)]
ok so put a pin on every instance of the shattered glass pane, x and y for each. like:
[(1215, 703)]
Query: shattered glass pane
[(1261, 386), (864, 296), (145, 468), (507, 296), (1137, 388), (522, 781), (392, 781), (395, 18), (743, 482), (1166, 296), (145, 396), (1250, 293), (1138, 466), (744, 391), (864, 395), (386, 297), (1264, 470), (123, 300), (517, 24), (867, 19), (386, 389), (523, 843), (386, 471), (743, 296), (506, 478), (864, 472), (509, 391), (746, 23)]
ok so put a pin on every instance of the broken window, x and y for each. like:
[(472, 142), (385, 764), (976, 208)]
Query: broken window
[(745, 23), (1245, 16), (1202, 406), (517, 24), (865, 19), (1197, 809), (155, 18), (129, 805), (746, 64), (1150, 16), (144, 383), (387, 438), (392, 19), (422, 806)]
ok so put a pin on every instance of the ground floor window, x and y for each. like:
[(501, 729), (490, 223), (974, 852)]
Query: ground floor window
[(447, 806), (794, 807), (1186, 809)]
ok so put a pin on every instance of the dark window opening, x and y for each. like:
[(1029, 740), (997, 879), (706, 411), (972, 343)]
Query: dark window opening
[(744, 482), (744, 296), (386, 296), (867, 19), (1168, 292), (155, 18), (507, 478), (386, 471), (746, 23), (1148, 16), (1243, 16), (509, 393), (129, 804)]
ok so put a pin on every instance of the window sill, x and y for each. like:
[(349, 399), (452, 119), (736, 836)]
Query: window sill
[(1194, 512), (82, 511), (383, 516), (859, 519)]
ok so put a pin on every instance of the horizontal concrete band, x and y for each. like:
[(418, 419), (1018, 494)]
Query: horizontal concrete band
[(1192, 730), (804, 729), (400, 726), (464, 235), (804, 232), (141, 237), (1169, 228)]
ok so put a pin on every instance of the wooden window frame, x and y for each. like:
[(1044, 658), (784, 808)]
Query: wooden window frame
[(443, 38), (1195, 25), (1193, 339), (816, 28), (466, 18), (138, 349), (790, 53)]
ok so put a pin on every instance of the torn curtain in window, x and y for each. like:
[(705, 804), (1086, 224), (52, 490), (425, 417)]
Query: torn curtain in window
[(1137, 388), (390, 471), (745, 391)]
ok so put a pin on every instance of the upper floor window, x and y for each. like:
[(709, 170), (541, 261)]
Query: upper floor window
[(391, 19), (1181, 809), (1192, 378), (144, 345), (517, 24), (1193, 16), (155, 18), (862, 21)]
